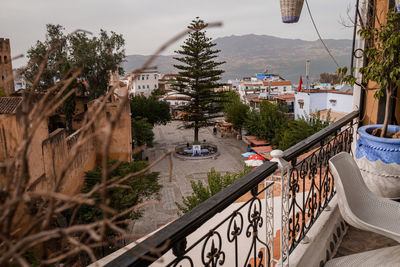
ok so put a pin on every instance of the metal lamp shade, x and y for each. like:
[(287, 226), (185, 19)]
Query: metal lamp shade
[(291, 10)]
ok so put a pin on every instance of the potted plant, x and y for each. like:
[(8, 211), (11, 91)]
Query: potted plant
[(378, 146)]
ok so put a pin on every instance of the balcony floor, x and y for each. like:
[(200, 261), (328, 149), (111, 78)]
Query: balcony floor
[(356, 241)]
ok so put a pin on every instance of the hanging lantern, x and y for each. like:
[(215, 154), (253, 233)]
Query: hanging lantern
[(291, 10)]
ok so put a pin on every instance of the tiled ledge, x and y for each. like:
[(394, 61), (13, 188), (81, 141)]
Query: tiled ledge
[(356, 241), (325, 237)]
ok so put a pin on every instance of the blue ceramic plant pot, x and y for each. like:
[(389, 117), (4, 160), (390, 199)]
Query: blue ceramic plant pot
[(379, 161)]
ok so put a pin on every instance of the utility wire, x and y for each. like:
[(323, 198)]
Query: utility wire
[(319, 35)]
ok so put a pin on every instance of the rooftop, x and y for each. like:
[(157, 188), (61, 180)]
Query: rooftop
[(277, 83), (314, 91), (255, 141), (9, 105), (334, 115), (285, 97)]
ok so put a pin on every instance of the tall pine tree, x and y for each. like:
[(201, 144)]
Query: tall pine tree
[(199, 76)]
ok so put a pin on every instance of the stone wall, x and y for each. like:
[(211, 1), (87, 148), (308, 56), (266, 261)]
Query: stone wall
[(57, 149), (10, 138), (6, 73), (121, 141), (48, 153)]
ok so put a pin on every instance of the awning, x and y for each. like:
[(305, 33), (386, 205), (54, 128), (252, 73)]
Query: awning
[(247, 154)]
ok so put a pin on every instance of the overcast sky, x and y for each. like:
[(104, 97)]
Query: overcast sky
[(146, 24)]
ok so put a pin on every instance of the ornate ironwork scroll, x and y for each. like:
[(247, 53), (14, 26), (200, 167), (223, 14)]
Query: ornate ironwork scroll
[(240, 229), (311, 184)]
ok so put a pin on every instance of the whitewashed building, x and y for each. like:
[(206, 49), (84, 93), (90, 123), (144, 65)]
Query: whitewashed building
[(308, 102), (144, 84), (274, 88), (175, 99), (280, 87)]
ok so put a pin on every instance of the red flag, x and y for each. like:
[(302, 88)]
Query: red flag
[(301, 81)]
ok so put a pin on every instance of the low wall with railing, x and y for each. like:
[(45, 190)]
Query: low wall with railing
[(287, 202)]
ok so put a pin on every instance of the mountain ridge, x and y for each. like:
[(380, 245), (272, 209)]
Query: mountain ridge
[(248, 54)]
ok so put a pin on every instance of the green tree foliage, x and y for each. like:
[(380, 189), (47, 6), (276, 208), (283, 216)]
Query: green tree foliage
[(2, 93), (382, 61), (96, 56), (296, 131), (56, 65), (267, 122), (235, 111), (145, 113), (199, 75), (155, 111), (135, 190), (158, 92), (201, 192), (331, 78), (142, 132)]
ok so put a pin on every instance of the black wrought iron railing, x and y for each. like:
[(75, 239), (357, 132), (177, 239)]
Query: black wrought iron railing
[(205, 237), (311, 185), (173, 236)]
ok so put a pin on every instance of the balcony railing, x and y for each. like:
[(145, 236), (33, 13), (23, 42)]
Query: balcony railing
[(284, 197)]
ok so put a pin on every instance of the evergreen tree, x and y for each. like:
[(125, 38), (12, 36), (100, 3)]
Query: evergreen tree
[(199, 75)]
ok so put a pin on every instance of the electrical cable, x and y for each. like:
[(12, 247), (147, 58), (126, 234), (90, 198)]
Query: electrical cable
[(319, 35)]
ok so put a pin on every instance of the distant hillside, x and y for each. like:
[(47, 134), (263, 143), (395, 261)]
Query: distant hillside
[(249, 54)]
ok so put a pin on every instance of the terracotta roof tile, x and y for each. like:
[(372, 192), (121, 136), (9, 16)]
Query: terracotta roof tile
[(285, 96), (277, 83), (9, 105)]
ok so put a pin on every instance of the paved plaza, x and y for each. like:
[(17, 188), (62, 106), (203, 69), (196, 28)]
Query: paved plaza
[(166, 138)]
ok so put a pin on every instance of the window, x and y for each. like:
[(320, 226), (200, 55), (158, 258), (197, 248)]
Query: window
[(138, 87), (301, 103), (142, 77), (148, 86), (155, 76), (284, 88), (155, 86), (5, 60), (147, 77)]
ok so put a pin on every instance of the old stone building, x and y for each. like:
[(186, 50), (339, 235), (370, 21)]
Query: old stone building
[(6, 72), (50, 149)]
